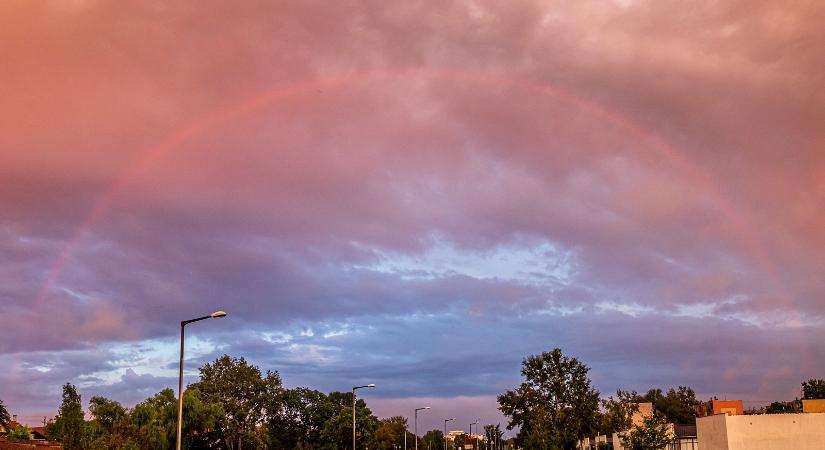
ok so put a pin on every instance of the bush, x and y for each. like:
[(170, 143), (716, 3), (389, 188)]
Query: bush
[(20, 433)]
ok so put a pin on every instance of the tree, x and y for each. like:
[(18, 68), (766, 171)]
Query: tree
[(493, 433), (460, 440), (107, 413), (243, 392), (653, 434), (5, 418), (337, 432), (69, 424), (390, 432), (555, 406), (297, 418), (154, 421), (677, 405), (200, 420), (432, 440), (779, 408), (813, 389), (618, 412)]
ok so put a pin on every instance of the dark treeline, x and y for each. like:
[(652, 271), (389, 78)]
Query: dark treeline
[(232, 406), (235, 406), (556, 406)]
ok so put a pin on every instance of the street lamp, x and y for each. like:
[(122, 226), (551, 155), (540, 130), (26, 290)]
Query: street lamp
[(183, 323), (445, 431), (416, 427), (353, 410), (471, 431)]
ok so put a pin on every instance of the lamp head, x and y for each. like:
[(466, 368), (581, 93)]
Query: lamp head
[(371, 385), (218, 314)]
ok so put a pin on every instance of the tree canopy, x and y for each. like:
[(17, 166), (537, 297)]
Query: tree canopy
[(677, 405), (653, 434), (618, 411), (337, 432), (555, 406), (813, 389), (432, 440), (243, 392), (5, 418), (69, 424)]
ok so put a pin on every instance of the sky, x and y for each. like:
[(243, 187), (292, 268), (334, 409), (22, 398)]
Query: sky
[(414, 194)]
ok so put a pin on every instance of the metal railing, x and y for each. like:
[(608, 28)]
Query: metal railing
[(684, 444)]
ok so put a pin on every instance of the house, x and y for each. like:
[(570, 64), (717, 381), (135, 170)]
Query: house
[(37, 433)]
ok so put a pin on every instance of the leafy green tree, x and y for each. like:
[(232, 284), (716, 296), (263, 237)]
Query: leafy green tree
[(390, 433), (618, 412), (244, 393), (69, 426), (779, 408), (432, 440), (653, 434), (297, 418), (153, 422), (200, 421), (555, 406), (5, 418), (156, 420), (493, 433), (20, 433), (107, 413), (813, 389), (677, 405), (459, 441), (337, 432)]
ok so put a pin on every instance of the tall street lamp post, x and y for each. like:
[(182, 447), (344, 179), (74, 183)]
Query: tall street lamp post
[(445, 431), (353, 410), (471, 431), (416, 427), (183, 323)]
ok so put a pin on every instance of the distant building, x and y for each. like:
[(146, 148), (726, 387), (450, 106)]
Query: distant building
[(716, 406), (729, 407), (813, 406), (452, 434)]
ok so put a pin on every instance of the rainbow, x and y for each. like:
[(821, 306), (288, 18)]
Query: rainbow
[(227, 113)]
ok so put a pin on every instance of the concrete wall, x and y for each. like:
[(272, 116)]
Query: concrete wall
[(617, 441), (645, 411), (762, 432)]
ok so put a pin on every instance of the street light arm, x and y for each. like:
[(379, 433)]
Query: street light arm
[(183, 323), (187, 322), (214, 315)]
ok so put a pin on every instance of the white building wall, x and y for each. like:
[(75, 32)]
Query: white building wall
[(762, 432)]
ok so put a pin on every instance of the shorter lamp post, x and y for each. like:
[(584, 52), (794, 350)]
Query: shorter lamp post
[(353, 409), (416, 427), (183, 323), (471, 431), (445, 431)]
